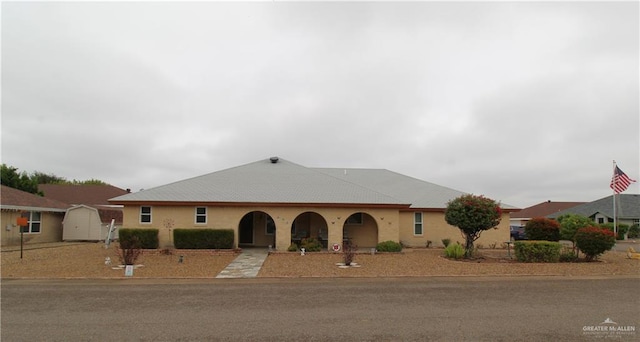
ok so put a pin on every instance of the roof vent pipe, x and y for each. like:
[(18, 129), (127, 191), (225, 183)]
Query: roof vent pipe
[(273, 160)]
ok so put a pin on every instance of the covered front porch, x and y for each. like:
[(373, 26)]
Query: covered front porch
[(271, 228)]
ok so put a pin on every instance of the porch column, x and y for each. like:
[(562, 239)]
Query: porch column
[(335, 234), (283, 234)]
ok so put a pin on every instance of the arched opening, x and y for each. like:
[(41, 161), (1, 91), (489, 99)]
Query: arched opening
[(257, 229), (309, 224), (361, 230)]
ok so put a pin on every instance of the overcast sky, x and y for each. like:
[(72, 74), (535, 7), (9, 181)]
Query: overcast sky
[(520, 102)]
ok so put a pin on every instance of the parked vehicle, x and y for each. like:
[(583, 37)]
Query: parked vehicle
[(517, 233)]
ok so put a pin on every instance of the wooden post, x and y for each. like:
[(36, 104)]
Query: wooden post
[(22, 222)]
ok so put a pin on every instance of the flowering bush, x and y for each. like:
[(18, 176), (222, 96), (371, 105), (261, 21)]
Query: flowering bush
[(543, 229), (593, 241)]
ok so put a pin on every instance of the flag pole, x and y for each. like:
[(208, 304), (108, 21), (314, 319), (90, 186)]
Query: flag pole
[(615, 181)]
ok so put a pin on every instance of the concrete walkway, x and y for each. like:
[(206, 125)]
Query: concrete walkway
[(246, 265)]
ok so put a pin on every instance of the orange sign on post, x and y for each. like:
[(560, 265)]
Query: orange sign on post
[(23, 222)]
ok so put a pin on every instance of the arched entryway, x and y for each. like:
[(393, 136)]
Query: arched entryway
[(309, 224), (257, 229), (360, 229)]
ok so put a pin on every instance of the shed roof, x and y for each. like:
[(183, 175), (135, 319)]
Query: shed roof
[(285, 182), (14, 199)]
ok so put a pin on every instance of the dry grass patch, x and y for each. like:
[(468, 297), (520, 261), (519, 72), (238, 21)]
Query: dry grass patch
[(87, 260)]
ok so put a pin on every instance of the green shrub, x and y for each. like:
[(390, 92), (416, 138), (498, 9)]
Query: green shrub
[(203, 238), (568, 255), (389, 246), (593, 241), (446, 242), (144, 238), (542, 229), (537, 251), (634, 231), (622, 229), (311, 245), (570, 223), (292, 248), (454, 251)]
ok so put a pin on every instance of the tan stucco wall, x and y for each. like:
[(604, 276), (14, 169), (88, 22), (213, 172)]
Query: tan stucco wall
[(50, 228), (435, 228), (383, 223)]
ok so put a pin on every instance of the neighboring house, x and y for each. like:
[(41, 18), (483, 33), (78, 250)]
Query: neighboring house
[(44, 217), (544, 209), (601, 211), (275, 202), (91, 213)]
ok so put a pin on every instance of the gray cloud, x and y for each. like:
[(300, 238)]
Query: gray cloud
[(522, 102)]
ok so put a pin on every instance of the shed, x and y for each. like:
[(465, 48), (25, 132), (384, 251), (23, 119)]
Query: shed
[(83, 223)]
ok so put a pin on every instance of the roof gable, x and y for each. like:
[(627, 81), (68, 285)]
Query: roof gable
[(15, 199)]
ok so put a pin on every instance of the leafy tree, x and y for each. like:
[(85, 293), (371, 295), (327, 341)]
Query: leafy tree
[(570, 223), (43, 178), (472, 215), (9, 176), (88, 182), (29, 182)]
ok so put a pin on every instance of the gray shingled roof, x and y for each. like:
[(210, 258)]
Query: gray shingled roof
[(287, 182), (628, 207), (419, 193), (264, 182)]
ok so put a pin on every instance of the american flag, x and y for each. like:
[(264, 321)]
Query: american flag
[(620, 181)]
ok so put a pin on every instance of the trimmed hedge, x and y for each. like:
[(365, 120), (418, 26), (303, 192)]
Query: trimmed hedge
[(147, 238), (389, 246), (203, 238), (537, 251)]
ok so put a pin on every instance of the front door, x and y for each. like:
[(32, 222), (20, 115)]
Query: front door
[(246, 230)]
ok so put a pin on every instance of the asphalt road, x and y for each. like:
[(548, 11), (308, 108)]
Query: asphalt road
[(396, 309)]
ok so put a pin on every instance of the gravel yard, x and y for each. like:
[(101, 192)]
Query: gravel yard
[(87, 260)]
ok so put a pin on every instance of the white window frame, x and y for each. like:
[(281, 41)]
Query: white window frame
[(31, 220), (416, 223), (201, 215), (150, 214)]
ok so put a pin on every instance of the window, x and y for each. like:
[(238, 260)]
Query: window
[(145, 214), (33, 220), (417, 224), (600, 220), (201, 214), (270, 227)]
